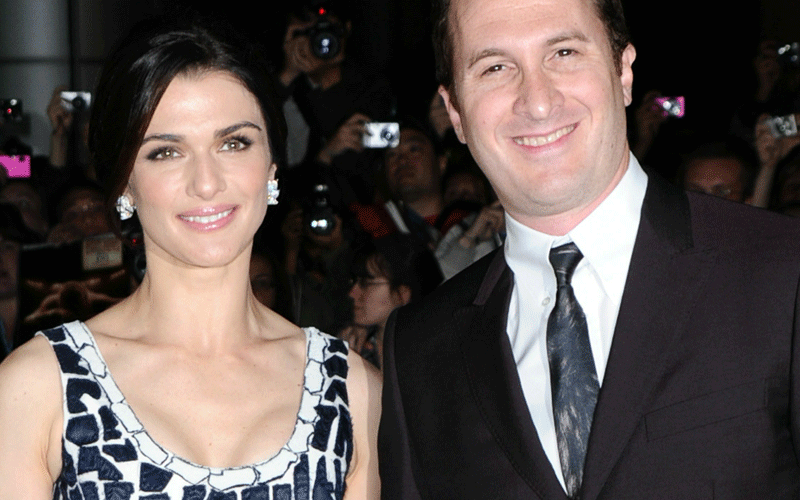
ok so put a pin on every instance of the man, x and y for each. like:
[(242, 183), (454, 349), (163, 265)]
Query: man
[(413, 176), (688, 384), (329, 100), (725, 168)]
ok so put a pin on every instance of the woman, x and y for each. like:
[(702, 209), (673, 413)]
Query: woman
[(387, 273), (213, 395)]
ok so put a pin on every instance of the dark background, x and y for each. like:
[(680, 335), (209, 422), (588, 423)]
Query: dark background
[(702, 49)]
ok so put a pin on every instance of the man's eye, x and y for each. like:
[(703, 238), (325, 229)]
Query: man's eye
[(494, 68), (564, 52)]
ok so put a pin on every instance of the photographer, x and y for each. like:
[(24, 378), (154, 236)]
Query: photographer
[(328, 100)]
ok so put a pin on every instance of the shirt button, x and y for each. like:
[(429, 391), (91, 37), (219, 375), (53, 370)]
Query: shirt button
[(546, 301)]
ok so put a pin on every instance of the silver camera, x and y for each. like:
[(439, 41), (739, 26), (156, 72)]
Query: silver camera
[(381, 135), (783, 126), (72, 100)]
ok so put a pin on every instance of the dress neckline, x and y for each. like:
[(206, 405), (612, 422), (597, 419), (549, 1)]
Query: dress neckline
[(273, 466)]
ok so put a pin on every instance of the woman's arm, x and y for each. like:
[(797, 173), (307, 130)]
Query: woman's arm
[(30, 422), (364, 391)]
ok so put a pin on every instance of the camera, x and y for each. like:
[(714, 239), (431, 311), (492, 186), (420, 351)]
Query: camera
[(318, 213), (11, 110), (76, 101), (672, 106), (17, 165), (324, 36), (783, 126), (381, 135), (789, 54)]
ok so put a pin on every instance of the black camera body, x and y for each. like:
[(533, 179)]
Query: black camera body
[(318, 214), (325, 37)]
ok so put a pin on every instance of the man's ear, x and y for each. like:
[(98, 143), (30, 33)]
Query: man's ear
[(453, 111), (626, 73), (403, 293)]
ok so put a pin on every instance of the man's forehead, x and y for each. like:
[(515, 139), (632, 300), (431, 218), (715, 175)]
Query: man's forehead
[(467, 17)]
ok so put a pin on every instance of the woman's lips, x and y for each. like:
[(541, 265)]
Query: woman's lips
[(208, 218)]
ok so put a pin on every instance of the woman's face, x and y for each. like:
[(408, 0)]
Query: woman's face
[(373, 298), (199, 178)]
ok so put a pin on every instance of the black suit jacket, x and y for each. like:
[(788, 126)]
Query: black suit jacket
[(701, 395)]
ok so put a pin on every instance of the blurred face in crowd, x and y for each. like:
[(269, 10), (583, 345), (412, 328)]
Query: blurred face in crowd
[(373, 297), (539, 100), (83, 210), (29, 204), (721, 177), (199, 180), (9, 267), (413, 168), (464, 186)]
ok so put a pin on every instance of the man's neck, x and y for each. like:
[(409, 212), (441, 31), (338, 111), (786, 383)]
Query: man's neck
[(426, 206)]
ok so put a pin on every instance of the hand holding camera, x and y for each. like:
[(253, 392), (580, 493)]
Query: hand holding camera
[(311, 45), (60, 116), (775, 137), (348, 137)]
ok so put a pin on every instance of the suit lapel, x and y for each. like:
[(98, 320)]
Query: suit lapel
[(492, 375), (664, 279)]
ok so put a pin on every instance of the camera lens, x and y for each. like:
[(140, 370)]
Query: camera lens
[(325, 45)]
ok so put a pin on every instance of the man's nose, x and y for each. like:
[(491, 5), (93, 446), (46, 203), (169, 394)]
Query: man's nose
[(537, 94), (206, 177)]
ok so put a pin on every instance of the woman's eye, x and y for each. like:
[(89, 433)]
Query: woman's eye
[(164, 153), (236, 144)]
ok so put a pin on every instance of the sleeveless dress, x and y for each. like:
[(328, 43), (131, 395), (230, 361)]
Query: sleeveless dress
[(107, 454)]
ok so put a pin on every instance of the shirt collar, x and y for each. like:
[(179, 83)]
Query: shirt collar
[(605, 237)]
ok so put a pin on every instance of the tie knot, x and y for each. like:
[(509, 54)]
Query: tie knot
[(565, 259)]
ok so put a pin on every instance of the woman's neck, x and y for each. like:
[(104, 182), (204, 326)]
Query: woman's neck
[(208, 309)]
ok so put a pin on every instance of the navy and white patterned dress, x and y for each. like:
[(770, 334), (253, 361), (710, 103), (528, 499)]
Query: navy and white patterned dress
[(109, 455)]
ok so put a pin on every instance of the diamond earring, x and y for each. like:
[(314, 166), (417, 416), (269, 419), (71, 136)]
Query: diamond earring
[(272, 192), (125, 208)]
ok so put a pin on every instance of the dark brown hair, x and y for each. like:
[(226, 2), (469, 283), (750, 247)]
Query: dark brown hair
[(609, 11), (137, 73)]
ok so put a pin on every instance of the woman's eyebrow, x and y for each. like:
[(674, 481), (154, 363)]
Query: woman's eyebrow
[(233, 128)]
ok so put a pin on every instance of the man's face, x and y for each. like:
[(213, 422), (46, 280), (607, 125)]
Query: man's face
[(720, 177), (412, 168), (539, 101)]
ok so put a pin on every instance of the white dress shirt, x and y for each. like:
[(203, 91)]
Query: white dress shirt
[(605, 238)]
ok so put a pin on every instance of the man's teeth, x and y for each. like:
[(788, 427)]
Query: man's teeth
[(207, 219), (544, 139)]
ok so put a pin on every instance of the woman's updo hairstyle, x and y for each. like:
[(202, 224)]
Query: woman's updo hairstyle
[(137, 73)]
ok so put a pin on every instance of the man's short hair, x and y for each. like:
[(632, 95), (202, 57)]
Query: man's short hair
[(609, 11), (727, 148)]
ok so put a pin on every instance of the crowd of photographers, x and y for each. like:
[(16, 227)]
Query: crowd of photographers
[(377, 206)]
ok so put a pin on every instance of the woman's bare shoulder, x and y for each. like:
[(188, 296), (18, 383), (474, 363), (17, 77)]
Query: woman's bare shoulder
[(30, 368), (30, 417)]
